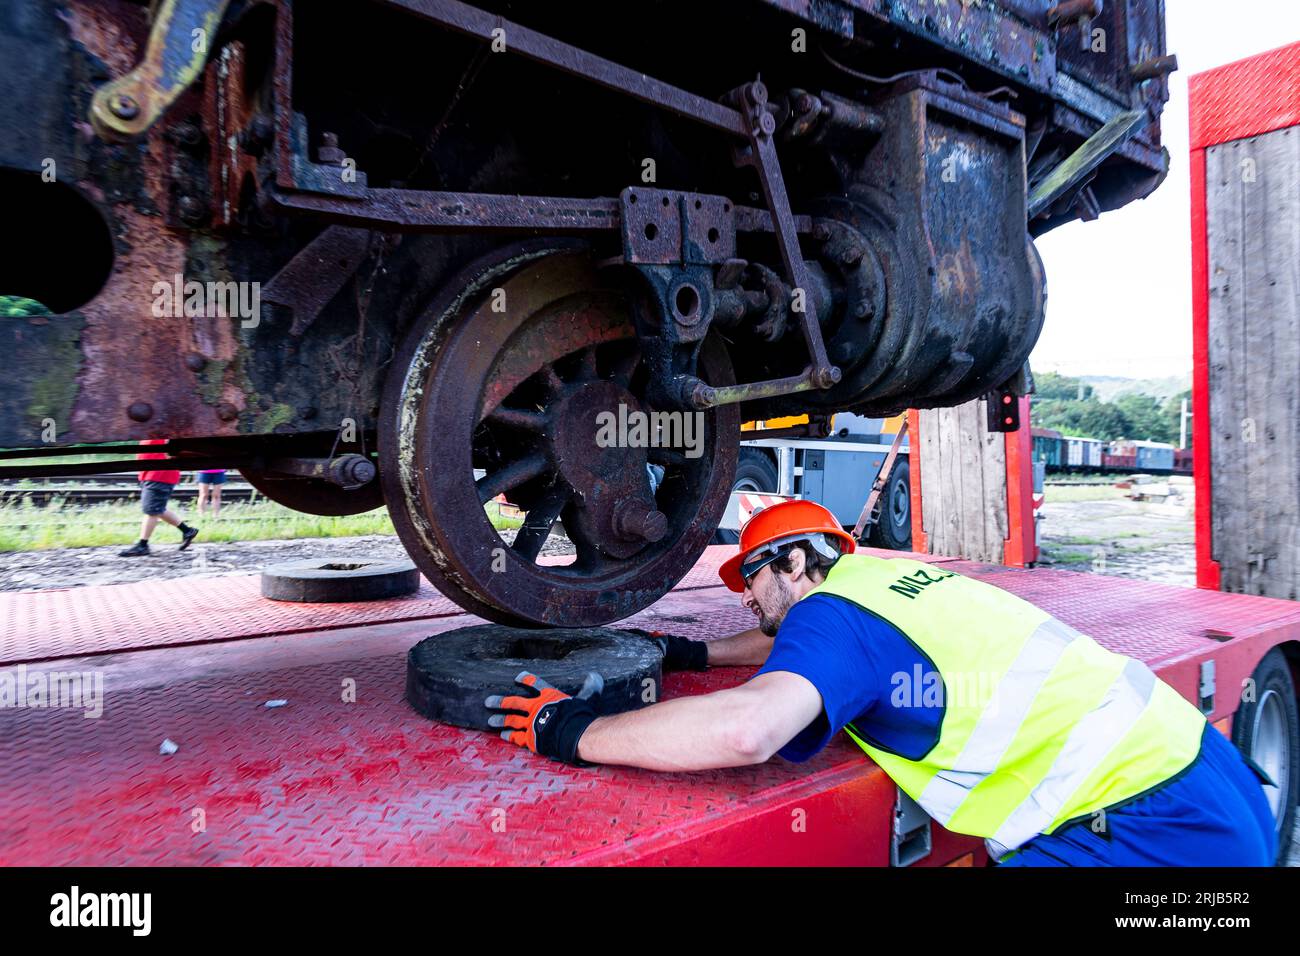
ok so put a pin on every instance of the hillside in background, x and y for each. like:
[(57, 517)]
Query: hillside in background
[(1109, 387)]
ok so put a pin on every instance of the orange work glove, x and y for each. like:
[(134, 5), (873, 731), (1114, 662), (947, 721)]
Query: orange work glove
[(550, 722)]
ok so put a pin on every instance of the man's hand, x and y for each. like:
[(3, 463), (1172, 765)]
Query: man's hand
[(551, 722), (680, 653)]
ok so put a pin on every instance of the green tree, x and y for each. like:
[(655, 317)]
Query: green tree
[(1071, 406), (1173, 411), (16, 307), (1147, 420), (1050, 386), (1101, 420)]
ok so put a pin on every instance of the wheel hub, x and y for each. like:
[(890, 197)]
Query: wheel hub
[(613, 504)]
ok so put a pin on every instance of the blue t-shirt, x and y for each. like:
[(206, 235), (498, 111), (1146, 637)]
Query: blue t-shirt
[(868, 674)]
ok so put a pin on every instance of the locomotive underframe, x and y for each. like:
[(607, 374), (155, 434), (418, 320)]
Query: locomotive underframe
[(231, 158)]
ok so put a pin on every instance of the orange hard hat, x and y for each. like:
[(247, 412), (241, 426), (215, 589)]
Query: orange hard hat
[(782, 523)]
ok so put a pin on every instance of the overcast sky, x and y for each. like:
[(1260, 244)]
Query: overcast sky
[(1119, 288)]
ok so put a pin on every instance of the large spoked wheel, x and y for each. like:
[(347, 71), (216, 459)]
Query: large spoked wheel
[(524, 380)]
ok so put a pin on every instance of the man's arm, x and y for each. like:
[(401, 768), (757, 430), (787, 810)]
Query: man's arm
[(687, 653), (730, 728), (747, 647)]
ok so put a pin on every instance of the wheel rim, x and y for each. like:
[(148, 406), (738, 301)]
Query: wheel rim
[(518, 394), (898, 504), (1270, 751)]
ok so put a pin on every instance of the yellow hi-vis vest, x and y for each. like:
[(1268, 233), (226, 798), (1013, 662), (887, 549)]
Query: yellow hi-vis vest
[(1041, 724)]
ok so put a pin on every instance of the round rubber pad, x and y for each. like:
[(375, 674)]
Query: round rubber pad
[(448, 676), (340, 580)]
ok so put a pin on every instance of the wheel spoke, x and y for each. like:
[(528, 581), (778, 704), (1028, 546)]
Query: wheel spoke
[(587, 364), (589, 561), (521, 418), (538, 522), (511, 476), (665, 456), (625, 366), (552, 382)]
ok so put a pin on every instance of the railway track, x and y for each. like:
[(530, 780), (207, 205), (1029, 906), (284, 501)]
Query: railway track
[(100, 489)]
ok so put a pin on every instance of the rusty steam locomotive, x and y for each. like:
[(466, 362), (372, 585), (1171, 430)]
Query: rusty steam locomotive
[(444, 237)]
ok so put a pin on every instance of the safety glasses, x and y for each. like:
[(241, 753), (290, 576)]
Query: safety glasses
[(756, 564)]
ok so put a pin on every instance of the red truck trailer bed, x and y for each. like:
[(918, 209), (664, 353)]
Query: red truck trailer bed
[(321, 780)]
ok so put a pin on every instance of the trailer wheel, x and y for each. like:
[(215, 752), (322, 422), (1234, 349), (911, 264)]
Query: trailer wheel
[(1267, 729), (755, 473), (894, 529), (448, 676), (343, 579)]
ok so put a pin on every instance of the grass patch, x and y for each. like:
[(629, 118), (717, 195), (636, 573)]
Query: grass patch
[(27, 527), (500, 521), (1069, 557), (1082, 493), (1087, 541), (63, 460), (1149, 546)]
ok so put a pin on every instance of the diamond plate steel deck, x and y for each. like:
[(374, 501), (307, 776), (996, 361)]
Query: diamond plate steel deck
[(323, 780), (1246, 98), (103, 620)]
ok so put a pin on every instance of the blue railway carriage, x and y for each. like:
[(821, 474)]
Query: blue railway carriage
[(1047, 447), (1152, 456), (1083, 452)]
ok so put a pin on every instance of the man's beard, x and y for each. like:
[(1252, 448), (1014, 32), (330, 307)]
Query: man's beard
[(770, 624)]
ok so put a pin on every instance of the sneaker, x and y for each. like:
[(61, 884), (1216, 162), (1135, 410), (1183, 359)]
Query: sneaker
[(187, 535), (135, 551)]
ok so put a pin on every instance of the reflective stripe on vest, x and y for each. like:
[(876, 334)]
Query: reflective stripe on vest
[(1060, 728), (994, 732)]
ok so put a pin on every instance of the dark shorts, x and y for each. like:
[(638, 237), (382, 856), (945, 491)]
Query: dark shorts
[(154, 496), (212, 477)]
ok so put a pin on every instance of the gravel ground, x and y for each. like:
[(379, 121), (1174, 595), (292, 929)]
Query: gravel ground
[(1121, 537), (81, 567), (1128, 539)]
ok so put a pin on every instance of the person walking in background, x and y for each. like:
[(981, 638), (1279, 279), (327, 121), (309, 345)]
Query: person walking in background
[(155, 491), (210, 481)]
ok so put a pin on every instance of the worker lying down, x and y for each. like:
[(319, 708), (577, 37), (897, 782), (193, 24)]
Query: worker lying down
[(999, 720)]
